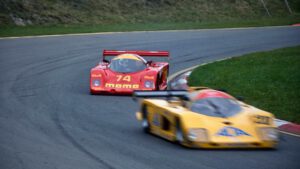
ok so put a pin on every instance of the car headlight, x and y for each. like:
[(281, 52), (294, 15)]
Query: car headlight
[(269, 134), (96, 83), (148, 84), (197, 135), (262, 119)]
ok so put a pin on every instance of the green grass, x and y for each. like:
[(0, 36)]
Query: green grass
[(267, 80), (7, 31), (46, 17)]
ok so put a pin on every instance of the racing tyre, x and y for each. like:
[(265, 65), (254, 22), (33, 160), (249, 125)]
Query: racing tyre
[(179, 133), (158, 81), (145, 122)]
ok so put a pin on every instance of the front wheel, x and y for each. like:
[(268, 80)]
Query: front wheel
[(145, 122), (91, 92), (179, 133)]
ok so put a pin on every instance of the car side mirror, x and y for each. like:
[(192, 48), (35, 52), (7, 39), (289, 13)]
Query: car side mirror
[(149, 62)]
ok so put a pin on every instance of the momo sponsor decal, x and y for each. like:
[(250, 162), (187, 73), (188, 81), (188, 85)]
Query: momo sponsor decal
[(122, 86)]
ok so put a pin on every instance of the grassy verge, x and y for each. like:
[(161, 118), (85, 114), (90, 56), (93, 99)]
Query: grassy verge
[(68, 29), (267, 80)]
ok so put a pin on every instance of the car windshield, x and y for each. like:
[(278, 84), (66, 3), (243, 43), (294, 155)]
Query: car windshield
[(216, 107), (125, 65)]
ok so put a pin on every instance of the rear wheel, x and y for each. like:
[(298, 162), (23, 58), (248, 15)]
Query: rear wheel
[(157, 84), (166, 79)]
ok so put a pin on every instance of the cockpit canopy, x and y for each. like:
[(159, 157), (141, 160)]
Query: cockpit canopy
[(214, 103), (127, 63)]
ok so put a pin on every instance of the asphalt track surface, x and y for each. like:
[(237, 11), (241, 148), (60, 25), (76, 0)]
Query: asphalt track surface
[(48, 119)]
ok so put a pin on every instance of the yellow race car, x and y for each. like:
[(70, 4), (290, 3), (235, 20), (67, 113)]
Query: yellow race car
[(206, 118)]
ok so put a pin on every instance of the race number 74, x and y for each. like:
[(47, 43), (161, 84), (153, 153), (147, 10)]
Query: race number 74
[(124, 78)]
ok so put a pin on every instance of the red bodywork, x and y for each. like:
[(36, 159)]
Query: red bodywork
[(207, 93), (111, 82)]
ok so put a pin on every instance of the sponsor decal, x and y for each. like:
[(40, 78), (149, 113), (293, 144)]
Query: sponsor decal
[(96, 75), (96, 88), (231, 132), (155, 120), (149, 77), (122, 86)]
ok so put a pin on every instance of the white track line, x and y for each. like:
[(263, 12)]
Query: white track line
[(103, 33)]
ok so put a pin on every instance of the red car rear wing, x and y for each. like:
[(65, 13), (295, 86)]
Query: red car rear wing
[(138, 52)]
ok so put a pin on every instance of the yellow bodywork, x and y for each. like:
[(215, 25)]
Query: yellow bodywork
[(251, 128)]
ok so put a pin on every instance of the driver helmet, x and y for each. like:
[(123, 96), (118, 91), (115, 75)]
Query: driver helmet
[(124, 59), (124, 62), (208, 93)]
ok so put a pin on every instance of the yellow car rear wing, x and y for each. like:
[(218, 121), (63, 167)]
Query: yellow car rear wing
[(182, 94)]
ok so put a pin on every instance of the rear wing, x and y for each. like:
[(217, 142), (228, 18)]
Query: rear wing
[(138, 52), (182, 94)]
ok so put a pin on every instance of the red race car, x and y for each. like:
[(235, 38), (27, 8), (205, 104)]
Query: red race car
[(128, 71)]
